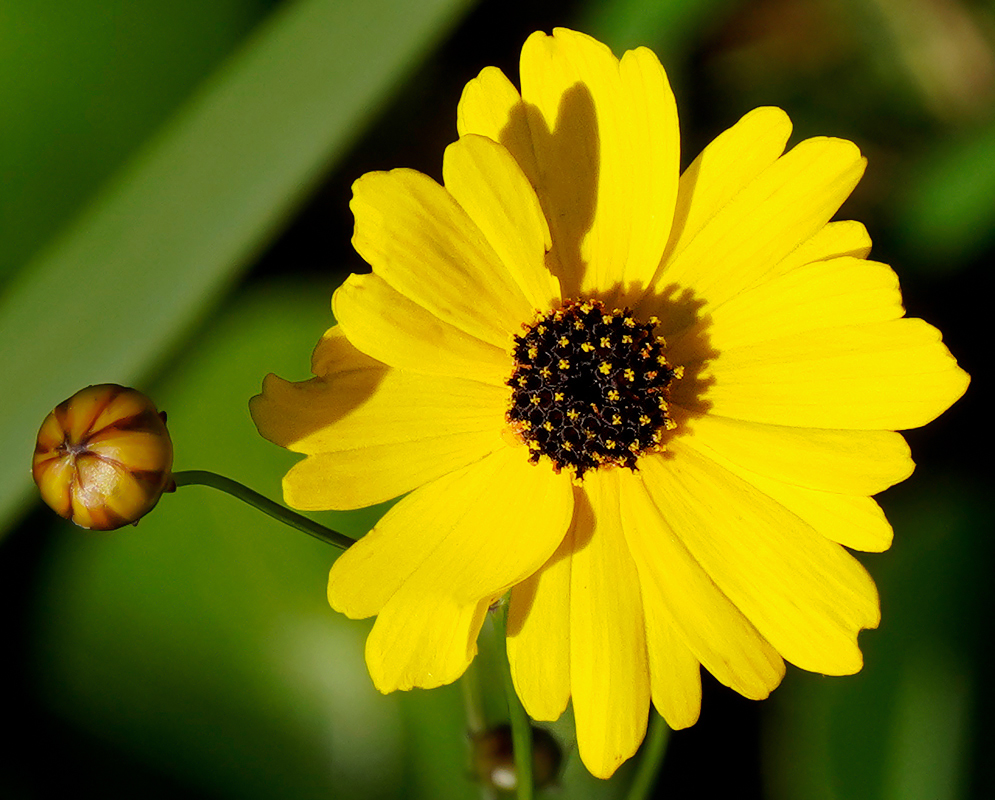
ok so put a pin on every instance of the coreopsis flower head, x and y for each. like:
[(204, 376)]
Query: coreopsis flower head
[(653, 406), (103, 457)]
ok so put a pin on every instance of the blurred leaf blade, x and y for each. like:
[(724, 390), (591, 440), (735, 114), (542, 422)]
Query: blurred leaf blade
[(83, 85), (123, 284)]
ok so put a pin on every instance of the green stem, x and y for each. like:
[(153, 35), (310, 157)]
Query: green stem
[(193, 477), (476, 720), (521, 728), (653, 751)]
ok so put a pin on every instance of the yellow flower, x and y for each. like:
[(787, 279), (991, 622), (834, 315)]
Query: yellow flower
[(653, 406)]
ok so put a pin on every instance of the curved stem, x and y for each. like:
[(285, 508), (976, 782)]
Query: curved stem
[(521, 728), (193, 477), (653, 751)]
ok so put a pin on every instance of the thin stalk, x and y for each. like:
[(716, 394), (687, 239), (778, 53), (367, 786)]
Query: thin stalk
[(194, 477), (476, 720), (472, 701), (653, 751), (521, 728)]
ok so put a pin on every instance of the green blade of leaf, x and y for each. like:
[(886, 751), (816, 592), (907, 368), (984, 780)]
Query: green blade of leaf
[(121, 286)]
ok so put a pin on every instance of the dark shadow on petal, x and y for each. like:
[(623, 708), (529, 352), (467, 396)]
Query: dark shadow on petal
[(563, 167), (686, 331)]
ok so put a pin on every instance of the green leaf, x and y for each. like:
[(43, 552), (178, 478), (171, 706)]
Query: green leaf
[(82, 85), (122, 286)]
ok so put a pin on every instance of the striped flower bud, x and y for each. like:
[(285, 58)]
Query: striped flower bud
[(103, 457)]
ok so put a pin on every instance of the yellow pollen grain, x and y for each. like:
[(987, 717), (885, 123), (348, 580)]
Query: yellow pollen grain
[(564, 341), (606, 342), (604, 368), (564, 364), (558, 397), (629, 374), (613, 394), (587, 347)]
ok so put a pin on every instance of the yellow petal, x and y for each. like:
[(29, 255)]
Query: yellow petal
[(683, 595), (609, 674), (646, 187), (823, 294), (539, 636), (492, 189), (832, 240), (606, 143), (371, 432), (849, 462), (805, 595), (389, 327), (890, 376), (831, 464), (854, 522), (470, 534), (423, 639), (491, 106), (675, 675), (724, 168), (779, 210), (418, 239)]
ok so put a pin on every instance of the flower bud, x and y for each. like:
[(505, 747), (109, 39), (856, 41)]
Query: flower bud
[(103, 457), (494, 758)]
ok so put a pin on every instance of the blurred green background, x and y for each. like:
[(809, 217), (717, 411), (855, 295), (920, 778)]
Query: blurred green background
[(173, 215)]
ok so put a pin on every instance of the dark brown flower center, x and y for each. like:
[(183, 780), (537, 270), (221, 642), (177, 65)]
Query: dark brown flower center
[(590, 387)]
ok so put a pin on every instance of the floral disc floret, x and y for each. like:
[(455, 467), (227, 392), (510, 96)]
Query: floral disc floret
[(590, 387)]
